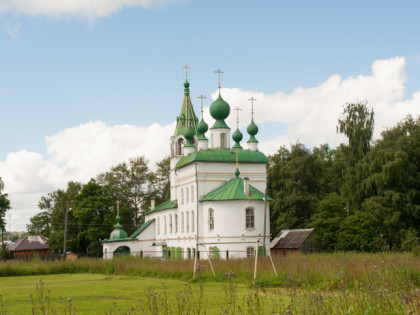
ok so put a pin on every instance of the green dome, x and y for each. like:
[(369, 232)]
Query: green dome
[(219, 109), (186, 84), (189, 134), (237, 136), (202, 127), (252, 129), (118, 233)]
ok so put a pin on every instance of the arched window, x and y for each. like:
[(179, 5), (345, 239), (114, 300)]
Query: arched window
[(192, 221), (249, 218), (182, 196), (223, 143), (180, 146), (158, 225), (164, 224), (187, 221), (187, 195), (192, 193), (250, 252), (170, 223), (176, 223), (182, 222), (211, 219)]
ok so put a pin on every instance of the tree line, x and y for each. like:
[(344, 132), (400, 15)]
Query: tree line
[(363, 195), (91, 208)]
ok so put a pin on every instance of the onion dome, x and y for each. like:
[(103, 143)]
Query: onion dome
[(202, 128), (118, 233), (237, 172), (189, 135), (220, 110), (252, 131), (237, 137)]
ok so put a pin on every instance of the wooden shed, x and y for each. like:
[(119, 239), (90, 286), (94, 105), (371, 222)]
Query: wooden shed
[(27, 247), (296, 241)]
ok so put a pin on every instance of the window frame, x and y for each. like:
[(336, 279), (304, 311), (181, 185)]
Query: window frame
[(211, 219), (250, 218)]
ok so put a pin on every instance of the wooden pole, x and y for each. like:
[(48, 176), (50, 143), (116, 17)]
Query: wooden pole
[(65, 230), (2, 243), (265, 220), (256, 261), (272, 263), (208, 257)]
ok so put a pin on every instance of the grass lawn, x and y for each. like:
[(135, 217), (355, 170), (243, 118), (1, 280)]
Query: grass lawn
[(96, 294)]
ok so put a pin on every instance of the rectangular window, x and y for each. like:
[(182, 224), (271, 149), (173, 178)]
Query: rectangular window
[(182, 222), (164, 224), (170, 223), (182, 196), (187, 195), (223, 140), (188, 221), (192, 221), (211, 219), (250, 252), (158, 225), (250, 220), (192, 193), (176, 223)]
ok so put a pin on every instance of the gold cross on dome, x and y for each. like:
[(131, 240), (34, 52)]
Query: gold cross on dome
[(118, 207), (237, 116), (202, 97), (186, 71), (218, 71), (252, 99)]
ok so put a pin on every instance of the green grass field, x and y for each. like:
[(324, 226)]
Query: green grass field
[(96, 294), (314, 284)]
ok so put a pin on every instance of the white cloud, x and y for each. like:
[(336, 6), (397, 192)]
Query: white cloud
[(311, 114), (77, 154), (12, 29), (89, 9)]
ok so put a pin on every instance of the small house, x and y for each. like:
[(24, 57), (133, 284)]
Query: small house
[(29, 246), (292, 242)]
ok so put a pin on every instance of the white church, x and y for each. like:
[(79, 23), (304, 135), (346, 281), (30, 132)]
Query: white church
[(217, 197)]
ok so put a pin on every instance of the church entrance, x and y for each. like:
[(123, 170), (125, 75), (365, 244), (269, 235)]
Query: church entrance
[(122, 250)]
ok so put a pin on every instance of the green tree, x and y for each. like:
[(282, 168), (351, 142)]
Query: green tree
[(390, 182), (293, 179), (356, 123), (159, 181), (40, 224), (327, 222), (4, 205), (359, 232), (130, 182), (94, 211)]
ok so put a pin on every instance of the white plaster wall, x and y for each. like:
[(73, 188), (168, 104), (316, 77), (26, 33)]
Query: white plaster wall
[(215, 137)]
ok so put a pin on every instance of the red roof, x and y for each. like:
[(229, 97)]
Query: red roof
[(29, 243)]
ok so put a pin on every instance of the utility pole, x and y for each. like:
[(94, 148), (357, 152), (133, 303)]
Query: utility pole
[(265, 220), (65, 230), (2, 244)]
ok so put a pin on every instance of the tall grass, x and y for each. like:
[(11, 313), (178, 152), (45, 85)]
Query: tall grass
[(316, 271)]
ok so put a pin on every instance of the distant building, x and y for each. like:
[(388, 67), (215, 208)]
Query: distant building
[(28, 246), (292, 242), (71, 256)]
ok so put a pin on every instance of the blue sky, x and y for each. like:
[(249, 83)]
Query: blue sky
[(64, 69)]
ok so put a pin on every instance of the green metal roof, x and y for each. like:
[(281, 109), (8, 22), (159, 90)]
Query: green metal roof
[(234, 190), (168, 204), (187, 117), (142, 228), (223, 155)]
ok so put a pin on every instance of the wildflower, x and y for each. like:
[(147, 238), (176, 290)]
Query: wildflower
[(69, 299)]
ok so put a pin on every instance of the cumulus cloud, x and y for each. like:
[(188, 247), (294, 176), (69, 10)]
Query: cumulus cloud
[(77, 154), (311, 113), (89, 9)]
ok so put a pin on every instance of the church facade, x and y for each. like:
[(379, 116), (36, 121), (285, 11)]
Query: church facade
[(217, 196)]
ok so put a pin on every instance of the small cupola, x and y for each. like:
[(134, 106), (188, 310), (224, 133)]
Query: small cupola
[(189, 145), (220, 132), (252, 130)]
